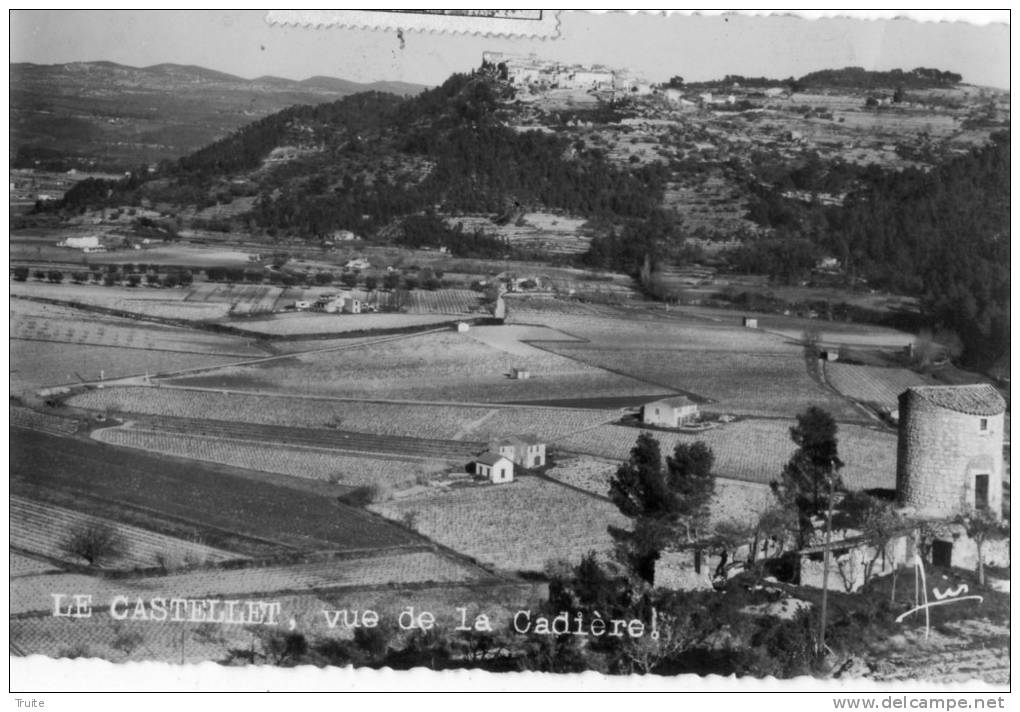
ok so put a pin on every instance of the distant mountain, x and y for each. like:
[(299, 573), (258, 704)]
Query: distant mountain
[(107, 115)]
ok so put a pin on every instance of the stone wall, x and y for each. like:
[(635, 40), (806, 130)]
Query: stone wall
[(939, 453)]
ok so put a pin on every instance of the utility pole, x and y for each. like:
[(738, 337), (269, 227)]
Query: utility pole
[(825, 565)]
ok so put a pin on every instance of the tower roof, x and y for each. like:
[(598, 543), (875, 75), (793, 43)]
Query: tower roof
[(977, 399)]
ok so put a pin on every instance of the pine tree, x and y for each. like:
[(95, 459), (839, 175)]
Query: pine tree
[(668, 507)]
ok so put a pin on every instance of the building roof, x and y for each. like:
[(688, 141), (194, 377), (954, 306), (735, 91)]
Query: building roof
[(977, 399), (673, 402), (490, 458)]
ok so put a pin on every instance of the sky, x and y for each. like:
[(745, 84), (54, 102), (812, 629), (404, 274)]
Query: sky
[(695, 47)]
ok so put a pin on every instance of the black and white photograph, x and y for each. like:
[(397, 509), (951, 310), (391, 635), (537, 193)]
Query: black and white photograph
[(503, 345)]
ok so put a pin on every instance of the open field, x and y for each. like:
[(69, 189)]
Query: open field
[(412, 451), (49, 322), (43, 528), (146, 301), (202, 494), (443, 422), (22, 565), (305, 323), (516, 526), (762, 384), (873, 384), (346, 469), (34, 420), (442, 366), (32, 593), (639, 329), (35, 364), (755, 450)]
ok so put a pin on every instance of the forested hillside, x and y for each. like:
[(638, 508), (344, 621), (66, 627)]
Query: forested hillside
[(391, 168)]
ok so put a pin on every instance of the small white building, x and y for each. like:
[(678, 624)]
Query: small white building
[(669, 412), (350, 305), (88, 242), (462, 327), (359, 263), (519, 374), (495, 467), (524, 451)]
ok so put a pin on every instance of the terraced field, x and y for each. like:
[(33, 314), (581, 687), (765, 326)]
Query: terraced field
[(442, 422), (762, 384), (48, 322), (42, 529), (555, 234), (755, 450), (225, 505), (331, 440), (34, 420), (442, 301), (166, 303), (873, 385), (517, 526), (343, 468), (639, 331)]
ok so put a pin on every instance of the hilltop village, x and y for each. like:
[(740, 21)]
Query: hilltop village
[(545, 342)]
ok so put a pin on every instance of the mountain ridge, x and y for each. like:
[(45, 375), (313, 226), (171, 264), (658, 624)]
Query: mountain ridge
[(106, 115)]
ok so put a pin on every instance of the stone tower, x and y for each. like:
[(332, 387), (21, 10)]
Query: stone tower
[(949, 456)]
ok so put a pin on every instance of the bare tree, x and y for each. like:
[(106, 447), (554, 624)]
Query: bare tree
[(95, 542), (982, 526)]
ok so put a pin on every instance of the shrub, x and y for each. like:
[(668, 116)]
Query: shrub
[(367, 494), (95, 542)]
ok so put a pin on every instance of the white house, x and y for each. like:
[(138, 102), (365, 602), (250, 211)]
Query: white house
[(495, 467), (519, 374), (462, 326), (81, 243), (358, 264), (524, 451), (669, 412), (350, 304)]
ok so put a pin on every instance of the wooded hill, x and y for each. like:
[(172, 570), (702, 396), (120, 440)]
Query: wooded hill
[(368, 162)]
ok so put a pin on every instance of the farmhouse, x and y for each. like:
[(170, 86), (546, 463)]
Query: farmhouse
[(343, 303), (87, 243), (750, 322), (519, 374), (494, 467), (669, 412), (524, 451)]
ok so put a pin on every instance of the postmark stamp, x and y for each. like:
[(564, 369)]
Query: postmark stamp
[(487, 23), (509, 345)]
